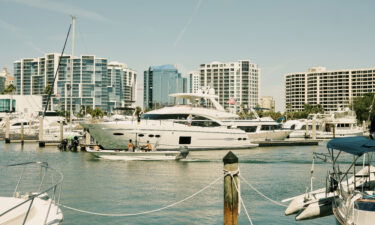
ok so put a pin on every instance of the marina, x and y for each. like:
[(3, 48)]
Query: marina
[(189, 112), (108, 186)]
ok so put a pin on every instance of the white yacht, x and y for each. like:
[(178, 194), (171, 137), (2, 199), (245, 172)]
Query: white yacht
[(202, 124), (335, 124), (257, 129)]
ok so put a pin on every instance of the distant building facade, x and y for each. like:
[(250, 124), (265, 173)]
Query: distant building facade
[(121, 85), (159, 83), (194, 81), (236, 83), (267, 103), (333, 90), (6, 79), (29, 105), (34, 76)]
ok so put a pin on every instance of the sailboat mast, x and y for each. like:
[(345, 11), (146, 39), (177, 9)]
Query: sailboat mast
[(72, 65)]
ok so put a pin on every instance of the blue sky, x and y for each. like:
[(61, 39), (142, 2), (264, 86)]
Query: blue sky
[(280, 36)]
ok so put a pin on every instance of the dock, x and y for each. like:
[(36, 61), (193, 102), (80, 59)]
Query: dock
[(275, 143)]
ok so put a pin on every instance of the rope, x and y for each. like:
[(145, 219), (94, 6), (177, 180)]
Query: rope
[(231, 173), (145, 212), (261, 194)]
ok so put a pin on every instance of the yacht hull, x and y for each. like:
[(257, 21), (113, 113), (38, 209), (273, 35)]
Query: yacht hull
[(269, 135), (168, 137)]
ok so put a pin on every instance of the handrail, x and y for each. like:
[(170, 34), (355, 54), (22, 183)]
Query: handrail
[(33, 196)]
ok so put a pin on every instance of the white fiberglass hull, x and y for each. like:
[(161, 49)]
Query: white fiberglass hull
[(37, 214), (170, 136), (138, 155), (269, 135)]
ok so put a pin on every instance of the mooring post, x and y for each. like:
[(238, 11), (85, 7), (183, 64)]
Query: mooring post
[(41, 132), (61, 130), (314, 129), (22, 133), (7, 130), (88, 137), (231, 197), (307, 129)]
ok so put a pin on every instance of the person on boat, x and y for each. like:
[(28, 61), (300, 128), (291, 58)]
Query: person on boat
[(147, 147), (189, 120), (130, 146)]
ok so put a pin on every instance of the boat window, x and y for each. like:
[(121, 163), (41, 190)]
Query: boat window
[(164, 116), (118, 134), (303, 127), (248, 129), (293, 127), (184, 140), (141, 135), (270, 127), (151, 135), (157, 136), (239, 139)]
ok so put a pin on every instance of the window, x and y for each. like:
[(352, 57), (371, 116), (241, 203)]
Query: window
[(184, 140), (248, 129)]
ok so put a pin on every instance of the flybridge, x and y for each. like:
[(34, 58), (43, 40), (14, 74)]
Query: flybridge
[(193, 97)]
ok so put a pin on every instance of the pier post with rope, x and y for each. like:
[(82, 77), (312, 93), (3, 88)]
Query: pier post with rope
[(231, 187)]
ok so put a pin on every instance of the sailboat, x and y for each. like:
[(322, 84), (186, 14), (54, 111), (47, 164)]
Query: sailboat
[(350, 193)]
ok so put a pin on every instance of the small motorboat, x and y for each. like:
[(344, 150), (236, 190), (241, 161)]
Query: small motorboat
[(140, 154)]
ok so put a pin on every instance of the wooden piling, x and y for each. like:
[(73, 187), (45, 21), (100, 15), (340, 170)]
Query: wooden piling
[(314, 129), (22, 133), (231, 195), (88, 138), (7, 130), (61, 130), (41, 132), (307, 129)]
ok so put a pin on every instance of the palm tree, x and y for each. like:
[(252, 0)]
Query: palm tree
[(97, 113), (10, 89), (48, 89)]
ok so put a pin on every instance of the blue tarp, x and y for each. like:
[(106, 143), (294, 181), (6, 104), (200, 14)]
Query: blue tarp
[(353, 145)]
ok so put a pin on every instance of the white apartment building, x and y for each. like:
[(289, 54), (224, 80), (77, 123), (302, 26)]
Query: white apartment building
[(333, 89), (122, 82), (267, 102), (194, 79), (234, 82)]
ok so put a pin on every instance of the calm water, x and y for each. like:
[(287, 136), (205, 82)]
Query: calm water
[(135, 186)]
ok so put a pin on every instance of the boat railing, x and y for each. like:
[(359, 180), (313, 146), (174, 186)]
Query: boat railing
[(54, 189)]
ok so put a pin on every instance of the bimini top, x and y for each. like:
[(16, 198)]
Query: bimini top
[(353, 145)]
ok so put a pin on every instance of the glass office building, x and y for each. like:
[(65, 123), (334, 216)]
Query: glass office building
[(159, 82)]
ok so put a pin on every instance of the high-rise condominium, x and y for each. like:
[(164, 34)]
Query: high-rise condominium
[(236, 83), (333, 90), (91, 81), (194, 81)]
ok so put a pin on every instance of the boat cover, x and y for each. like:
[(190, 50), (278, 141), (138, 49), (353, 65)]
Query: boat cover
[(353, 145)]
